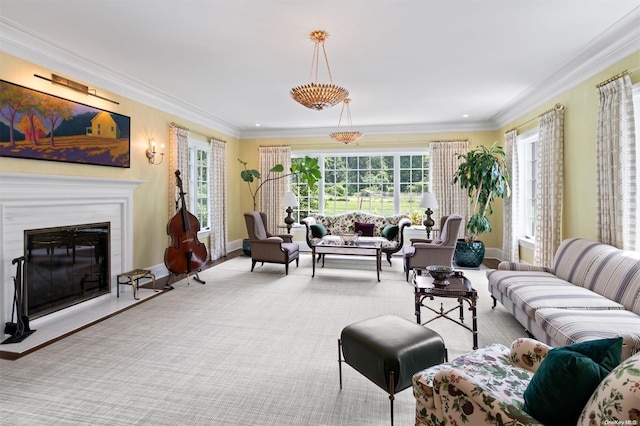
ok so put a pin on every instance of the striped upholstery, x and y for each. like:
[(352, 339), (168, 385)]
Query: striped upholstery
[(516, 266), (534, 290), (617, 277), (576, 257), (555, 293), (635, 308), (601, 268), (589, 283), (568, 326)]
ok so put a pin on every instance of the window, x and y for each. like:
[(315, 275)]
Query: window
[(414, 180), (528, 163), (384, 184), (199, 161)]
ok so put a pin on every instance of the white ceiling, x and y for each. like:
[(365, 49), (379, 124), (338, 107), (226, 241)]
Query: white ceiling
[(408, 65)]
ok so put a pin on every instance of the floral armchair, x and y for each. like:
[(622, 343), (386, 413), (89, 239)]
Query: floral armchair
[(486, 386)]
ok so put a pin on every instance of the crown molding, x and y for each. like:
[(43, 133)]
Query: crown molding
[(619, 41), (472, 126), (616, 43), (20, 42)]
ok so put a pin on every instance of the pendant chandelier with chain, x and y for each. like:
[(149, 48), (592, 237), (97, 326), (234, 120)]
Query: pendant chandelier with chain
[(346, 136), (316, 95)]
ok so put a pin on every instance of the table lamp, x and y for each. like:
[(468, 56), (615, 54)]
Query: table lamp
[(289, 199), (429, 202)]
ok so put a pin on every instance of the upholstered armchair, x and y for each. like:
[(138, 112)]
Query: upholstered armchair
[(266, 247), (583, 384), (439, 251)]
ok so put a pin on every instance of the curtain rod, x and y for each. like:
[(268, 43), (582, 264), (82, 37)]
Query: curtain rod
[(209, 138), (617, 76), (450, 140), (556, 107)]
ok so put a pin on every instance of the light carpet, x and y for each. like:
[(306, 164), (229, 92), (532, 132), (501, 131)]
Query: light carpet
[(246, 348)]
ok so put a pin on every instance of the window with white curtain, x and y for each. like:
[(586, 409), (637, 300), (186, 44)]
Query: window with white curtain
[(383, 183), (199, 153), (528, 157)]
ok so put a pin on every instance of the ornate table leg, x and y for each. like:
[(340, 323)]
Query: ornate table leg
[(418, 319), (474, 320)]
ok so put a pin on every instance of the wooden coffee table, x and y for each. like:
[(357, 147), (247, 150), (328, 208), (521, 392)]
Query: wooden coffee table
[(360, 248), (459, 288)]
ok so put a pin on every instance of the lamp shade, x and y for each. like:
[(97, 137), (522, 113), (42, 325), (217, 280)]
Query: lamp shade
[(429, 200), (289, 199)]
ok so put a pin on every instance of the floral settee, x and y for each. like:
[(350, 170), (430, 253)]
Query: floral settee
[(487, 386), (389, 230)]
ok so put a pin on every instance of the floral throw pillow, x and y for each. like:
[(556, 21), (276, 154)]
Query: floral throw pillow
[(616, 401)]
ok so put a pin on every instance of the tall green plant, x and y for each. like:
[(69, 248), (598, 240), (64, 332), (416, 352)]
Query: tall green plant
[(308, 170), (483, 173)]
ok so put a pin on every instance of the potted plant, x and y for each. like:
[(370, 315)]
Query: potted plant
[(483, 173), (308, 170)]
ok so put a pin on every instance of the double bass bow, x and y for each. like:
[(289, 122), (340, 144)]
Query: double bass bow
[(186, 254)]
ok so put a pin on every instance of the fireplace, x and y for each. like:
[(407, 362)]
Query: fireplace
[(36, 202), (64, 266)]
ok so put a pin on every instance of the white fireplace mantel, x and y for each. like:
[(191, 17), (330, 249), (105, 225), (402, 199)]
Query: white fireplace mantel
[(34, 201)]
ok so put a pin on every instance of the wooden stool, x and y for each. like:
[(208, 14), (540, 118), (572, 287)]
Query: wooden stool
[(133, 279)]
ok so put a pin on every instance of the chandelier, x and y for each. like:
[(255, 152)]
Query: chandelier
[(346, 137), (319, 96)]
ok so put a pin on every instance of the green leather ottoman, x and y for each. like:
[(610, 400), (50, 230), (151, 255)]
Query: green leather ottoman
[(389, 350)]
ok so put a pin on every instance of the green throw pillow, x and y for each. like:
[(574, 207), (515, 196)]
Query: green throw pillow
[(567, 377), (390, 232), (318, 230)]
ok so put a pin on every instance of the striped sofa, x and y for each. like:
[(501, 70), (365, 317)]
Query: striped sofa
[(591, 292)]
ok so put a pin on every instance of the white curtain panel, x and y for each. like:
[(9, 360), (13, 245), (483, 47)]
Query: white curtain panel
[(272, 192), (178, 160), (510, 249), (550, 182), (443, 164), (218, 200), (616, 165)]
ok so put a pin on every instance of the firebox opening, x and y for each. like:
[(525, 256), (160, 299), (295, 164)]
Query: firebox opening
[(65, 266)]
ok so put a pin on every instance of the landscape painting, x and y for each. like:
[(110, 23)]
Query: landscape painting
[(40, 126)]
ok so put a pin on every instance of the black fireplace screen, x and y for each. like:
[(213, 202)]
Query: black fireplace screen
[(65, 266)]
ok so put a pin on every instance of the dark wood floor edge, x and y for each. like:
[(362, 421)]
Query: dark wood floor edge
[(160, 283), (12, 356)]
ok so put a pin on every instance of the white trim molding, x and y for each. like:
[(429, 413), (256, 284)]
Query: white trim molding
[(33, 201)]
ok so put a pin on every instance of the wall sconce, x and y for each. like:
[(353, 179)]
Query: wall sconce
[(74, 85), (151, 152)]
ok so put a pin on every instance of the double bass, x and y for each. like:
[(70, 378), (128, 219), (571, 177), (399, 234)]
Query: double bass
[(186, 254)]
